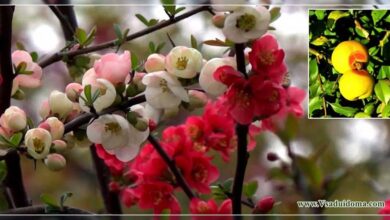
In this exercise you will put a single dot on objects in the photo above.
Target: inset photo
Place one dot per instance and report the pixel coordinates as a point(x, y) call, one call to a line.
point(349, 64)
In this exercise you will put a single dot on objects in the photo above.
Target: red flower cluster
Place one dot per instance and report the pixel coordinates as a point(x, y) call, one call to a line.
point(262, 94)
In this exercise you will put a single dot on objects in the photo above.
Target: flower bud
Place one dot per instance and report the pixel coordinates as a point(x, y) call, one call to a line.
point(138, 81)
point(14, 119)
point(114, 186)
point(142, 124)
point(132, 117)
point(54, 126)
point(132, 90)
point(154, 63)
point(73, 91)
point(38, 142)
point(170, 112)
point(113, 67)
point(218, 20)
point(59, 146)
point(60, 104)
point(55, 162)
point(198, 99)
point(264, 205)
point(44, 110)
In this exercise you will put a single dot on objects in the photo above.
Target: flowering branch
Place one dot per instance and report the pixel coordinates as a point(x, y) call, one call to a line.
point(86, 117)
point(14, 179)
point(171, 164)
point(242, 142)
point(60, 55)
point(41, 209)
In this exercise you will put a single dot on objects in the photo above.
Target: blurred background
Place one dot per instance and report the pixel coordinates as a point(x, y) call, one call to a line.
point(358, 147)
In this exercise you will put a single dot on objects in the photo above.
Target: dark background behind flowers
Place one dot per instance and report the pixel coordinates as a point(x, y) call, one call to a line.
point(358, 147)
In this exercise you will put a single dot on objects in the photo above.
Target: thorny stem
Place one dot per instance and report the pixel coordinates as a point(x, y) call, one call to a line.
point(14, 179)
point(172, 166)
point(242, 144)
point(70, 54)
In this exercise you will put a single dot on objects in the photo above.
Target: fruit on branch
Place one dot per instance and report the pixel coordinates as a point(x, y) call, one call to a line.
point(349, 55)
point(356, 84)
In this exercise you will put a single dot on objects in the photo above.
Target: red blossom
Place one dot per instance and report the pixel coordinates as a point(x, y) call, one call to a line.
point(129, 197)
point(157, 196)
point(198, 171)
point(385, 210)
point(203, 208)
point(264, 205)
point(266, 59)
point(116, 166)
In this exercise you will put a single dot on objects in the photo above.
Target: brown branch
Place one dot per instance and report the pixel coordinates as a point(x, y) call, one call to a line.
point(41, 209)
point(242, 143)
point(110, 199)
point(172, 166)
point(14, 179)
point(70, 54)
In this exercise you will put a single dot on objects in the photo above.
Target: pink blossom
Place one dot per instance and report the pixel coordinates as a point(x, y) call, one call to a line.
point(32, 80)
point(113, 67)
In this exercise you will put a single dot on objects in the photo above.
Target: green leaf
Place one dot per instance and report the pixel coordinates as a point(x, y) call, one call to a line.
point(373, 51)
point(334, 16)
point(160, 47)
point(178, 10)
point(377, 15)
point(315, 104)
point(88, 94)
point(369, 108)
point(142, 19)
point(90, 37)
point(218, 193)
point(333, 181)
point(343, 110)
point(227, 185)
point(194, 42)
point(134, 60)
point(382, 90)
point(152, 47)
point(16, 139)
point(81, 36)
point(361, 31)
point(82, 61)
point(250, 188)
point(319, 41)
point(34, 56)
point(169, 7)
point(275, 13)
point(216, 42)
point(310, 170)
point(313, 70)
point(3, 171)
point(20, 46)
point(384, 72)
point(49, 200)
point(320, 14)
point(118, 32)
point(5, 141)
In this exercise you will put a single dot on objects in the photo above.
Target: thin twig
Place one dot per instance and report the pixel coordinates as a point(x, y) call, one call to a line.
point(172, 166)
point(66, 26)
point(69, 54)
